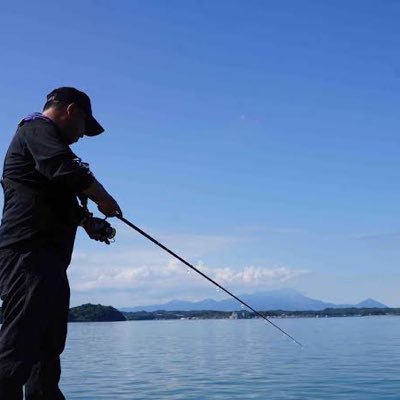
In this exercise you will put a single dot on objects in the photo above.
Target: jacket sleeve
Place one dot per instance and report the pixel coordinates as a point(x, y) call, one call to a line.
point(54, 159)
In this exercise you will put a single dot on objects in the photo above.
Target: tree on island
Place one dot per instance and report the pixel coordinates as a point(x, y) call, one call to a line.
point(94, 313)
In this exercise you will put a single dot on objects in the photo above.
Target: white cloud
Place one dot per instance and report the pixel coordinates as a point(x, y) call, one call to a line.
point(85, 277)
point(272, 230)
point(257, 276)
point(143, 274)
point(377, 236)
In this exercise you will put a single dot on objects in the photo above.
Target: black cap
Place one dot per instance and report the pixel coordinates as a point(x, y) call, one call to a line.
point(71, 95)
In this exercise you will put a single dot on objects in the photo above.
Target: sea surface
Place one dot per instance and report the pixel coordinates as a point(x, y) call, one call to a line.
point(354, 358)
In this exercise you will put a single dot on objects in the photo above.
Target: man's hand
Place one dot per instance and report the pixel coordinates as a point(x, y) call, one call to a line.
point(96, 228)
point(109, 207)
point(105, 202)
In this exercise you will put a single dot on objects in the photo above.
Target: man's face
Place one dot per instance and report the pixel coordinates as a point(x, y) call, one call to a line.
point(75, 123)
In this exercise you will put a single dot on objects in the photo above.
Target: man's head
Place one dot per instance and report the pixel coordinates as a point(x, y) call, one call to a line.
point(71, 110)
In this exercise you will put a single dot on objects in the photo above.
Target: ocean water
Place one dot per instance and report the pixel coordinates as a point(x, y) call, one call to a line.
point(341, 358)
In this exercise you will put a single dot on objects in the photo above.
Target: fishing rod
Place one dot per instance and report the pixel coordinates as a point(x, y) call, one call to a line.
point(205, 276)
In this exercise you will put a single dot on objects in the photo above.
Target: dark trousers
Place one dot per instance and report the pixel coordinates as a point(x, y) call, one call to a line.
point(35, 293)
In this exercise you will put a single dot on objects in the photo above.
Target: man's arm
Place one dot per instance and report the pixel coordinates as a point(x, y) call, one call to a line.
point(55, 160)
point(105, 202)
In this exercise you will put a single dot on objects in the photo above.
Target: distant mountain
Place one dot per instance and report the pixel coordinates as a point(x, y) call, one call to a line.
point(282, 299)
point(370, 303)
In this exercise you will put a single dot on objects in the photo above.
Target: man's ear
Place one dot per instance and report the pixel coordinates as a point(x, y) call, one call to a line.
point(71, 109)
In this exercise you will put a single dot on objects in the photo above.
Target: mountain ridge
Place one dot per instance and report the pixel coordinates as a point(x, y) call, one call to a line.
point(280, 299)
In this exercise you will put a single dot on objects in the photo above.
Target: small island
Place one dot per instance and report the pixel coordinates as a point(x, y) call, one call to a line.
point(94, 313)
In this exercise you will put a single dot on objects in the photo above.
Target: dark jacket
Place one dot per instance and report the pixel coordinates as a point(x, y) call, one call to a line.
point(41, 180)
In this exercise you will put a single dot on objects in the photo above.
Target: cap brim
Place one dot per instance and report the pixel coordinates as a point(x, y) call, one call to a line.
point(93, 128)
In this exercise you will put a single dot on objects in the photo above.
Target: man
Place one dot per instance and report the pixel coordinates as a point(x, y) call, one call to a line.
point(42, 178)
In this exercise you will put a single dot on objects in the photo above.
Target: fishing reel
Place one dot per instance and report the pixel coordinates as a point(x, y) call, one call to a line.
point(103, 228)
point(99, 229)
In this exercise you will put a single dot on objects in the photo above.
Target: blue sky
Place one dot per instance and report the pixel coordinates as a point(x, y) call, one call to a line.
point(258, 139)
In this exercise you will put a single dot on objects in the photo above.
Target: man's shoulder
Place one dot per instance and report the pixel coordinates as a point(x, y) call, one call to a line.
point(34, 123)
point(38, 129)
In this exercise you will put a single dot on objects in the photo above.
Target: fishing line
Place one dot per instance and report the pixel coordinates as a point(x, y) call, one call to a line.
point(205, 276)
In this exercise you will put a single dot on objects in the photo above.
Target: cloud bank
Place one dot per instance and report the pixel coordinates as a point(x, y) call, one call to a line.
point(141, 275)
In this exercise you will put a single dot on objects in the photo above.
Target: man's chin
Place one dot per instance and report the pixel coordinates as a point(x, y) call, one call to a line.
point(74, 140)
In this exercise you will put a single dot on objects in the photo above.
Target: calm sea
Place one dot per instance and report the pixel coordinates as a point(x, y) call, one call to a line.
point(342, 358)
